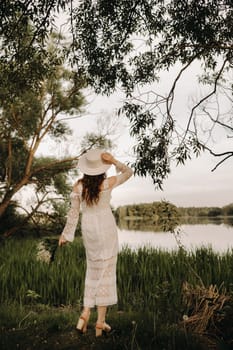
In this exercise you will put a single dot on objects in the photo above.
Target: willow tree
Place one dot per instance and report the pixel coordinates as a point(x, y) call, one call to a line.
point(126, 44)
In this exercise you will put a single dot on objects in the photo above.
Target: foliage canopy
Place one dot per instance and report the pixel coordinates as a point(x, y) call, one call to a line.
point(30, 112)
point(127, 44)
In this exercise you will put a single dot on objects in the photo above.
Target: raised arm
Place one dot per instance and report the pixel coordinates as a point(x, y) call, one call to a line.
point(125, 171)
point(72, 220)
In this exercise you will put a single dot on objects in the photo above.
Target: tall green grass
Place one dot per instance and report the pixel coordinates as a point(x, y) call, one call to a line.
point(26, 280)
point(148, 279)
point(150, 307)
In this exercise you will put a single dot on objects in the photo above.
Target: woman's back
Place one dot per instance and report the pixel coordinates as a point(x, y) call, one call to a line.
point(103, 201)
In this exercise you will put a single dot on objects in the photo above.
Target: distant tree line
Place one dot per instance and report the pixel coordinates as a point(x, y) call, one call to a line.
point(165, 216)
point(155, 210)
point(227, 210)
point(154, 216)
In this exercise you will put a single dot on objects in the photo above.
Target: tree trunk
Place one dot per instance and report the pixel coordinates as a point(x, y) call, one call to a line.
point(3, 206)
point(9, 194)
point(11, 231)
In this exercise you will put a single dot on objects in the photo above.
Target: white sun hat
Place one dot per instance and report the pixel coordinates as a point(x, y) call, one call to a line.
point(91, 163)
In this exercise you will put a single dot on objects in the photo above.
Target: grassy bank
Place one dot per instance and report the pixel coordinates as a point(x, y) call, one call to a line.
point(43, 327)
point(157, 291)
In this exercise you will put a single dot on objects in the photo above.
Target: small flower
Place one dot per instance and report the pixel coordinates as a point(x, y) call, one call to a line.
point(46, 250)
point(43, 255)
point(185, 317)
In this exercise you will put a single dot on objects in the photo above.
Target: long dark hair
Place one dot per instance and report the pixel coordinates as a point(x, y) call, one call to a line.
point(91, 188)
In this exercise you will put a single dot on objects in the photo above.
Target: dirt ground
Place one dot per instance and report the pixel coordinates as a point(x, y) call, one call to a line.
point(59, 340)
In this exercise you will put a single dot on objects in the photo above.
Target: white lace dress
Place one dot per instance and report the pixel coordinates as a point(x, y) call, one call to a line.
point(100, 239)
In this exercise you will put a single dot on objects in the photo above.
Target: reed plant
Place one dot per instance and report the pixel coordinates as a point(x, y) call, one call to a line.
point(25, 279)
point(147, 278)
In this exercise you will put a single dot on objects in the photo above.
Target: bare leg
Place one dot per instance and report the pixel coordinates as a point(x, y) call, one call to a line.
point(101, 314)
point(86, 310)
point(101, 325)
point(83, 319)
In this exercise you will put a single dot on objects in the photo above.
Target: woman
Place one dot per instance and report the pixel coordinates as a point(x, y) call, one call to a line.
point(99, 231)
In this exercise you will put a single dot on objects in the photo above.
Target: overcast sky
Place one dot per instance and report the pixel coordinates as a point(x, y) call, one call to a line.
point(190, 185)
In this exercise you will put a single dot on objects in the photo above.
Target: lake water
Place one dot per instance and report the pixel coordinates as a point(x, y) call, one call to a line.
point(219, 237)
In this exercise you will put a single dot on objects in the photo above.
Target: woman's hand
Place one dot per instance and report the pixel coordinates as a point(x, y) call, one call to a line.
point(108, 158)
point(62, 241)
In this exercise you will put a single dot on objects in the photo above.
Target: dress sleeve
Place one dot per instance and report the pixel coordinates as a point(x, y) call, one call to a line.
point(125, 173)
point(72, 217)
